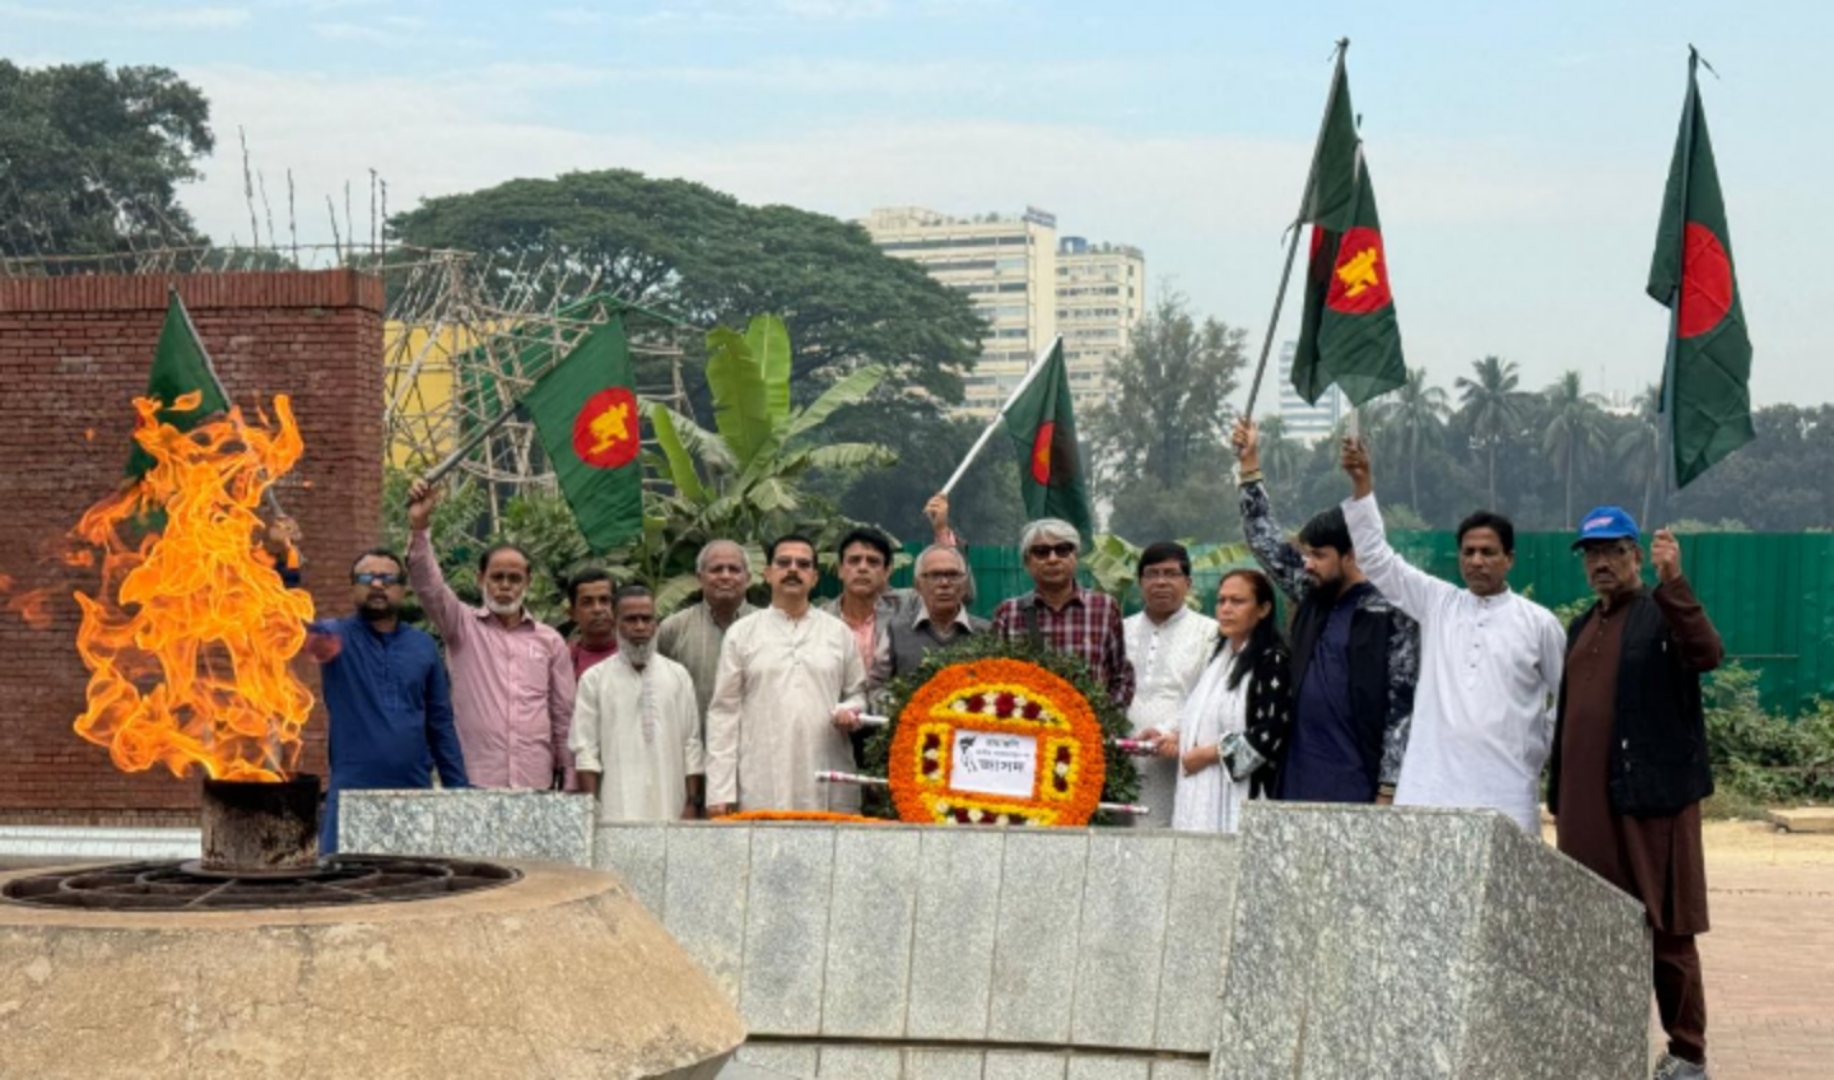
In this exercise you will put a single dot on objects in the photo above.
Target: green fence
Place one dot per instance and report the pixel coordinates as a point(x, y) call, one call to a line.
point(1770, 594)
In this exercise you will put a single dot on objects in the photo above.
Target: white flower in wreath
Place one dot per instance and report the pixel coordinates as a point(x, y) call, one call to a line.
point(1063, 768)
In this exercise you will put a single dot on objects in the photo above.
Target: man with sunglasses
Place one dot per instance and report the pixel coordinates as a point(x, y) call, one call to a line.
point(790, 690)
point(387, 694)
point(1060, 615)
point(1629, 764)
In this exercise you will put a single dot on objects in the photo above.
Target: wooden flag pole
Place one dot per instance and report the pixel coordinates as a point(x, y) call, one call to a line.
point(1298, 227)
point(1000, 417)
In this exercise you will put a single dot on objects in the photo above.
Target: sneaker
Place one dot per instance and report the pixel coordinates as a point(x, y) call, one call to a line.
point(1674, 1068)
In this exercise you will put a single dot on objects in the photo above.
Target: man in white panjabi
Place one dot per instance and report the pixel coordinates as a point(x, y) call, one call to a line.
point(1169, 645)
point(1490, 664)
point(636, 727)
point(790, 690)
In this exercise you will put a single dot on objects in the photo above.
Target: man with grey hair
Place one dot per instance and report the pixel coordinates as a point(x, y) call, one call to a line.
point(692, 636)
point(1061, 615)
point(936, 620)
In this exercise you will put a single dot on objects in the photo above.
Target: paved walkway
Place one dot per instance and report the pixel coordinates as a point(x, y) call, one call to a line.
point(1769, 959)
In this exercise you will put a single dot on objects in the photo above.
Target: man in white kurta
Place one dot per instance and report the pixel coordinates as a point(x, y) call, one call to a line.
point(1490, 664)
point(1169, 645)
point(790, 689)
point(636, 726)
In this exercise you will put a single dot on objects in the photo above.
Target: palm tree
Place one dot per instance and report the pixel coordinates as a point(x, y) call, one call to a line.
point(1640, 453)
point(1575, 430)
point(1414, 414)
point(1493, 408)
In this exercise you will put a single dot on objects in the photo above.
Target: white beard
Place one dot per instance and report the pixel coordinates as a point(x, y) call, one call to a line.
point(634, 654)
point(503, 609)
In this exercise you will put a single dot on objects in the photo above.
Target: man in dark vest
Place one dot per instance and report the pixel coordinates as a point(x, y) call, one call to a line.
point(1629, 763)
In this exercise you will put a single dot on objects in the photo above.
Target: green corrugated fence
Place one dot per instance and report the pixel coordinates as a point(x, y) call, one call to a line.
point(1770, 594)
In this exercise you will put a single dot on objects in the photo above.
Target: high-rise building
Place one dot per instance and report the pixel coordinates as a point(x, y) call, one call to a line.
point(1008, 268)
point(1101, 294)
point(1308, 423)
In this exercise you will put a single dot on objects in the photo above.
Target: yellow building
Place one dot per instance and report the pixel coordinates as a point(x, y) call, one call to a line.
point(1101, 294)
point(1008, 268)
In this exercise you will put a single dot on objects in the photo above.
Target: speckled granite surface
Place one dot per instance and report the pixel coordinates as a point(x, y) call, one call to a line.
point(471, 822)
point(1426, 944)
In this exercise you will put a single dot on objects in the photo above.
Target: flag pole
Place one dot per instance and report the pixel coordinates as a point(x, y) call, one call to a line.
point(210, 366)
point(999, 417)
point(1671, 470)
point(1292, 246)
point(464, 449)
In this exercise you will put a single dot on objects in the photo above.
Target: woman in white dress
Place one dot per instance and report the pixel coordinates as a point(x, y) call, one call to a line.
point(1238, 716)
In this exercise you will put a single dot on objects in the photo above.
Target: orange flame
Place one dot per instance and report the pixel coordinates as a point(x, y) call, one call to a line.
point(33, 607)
point(190, 633)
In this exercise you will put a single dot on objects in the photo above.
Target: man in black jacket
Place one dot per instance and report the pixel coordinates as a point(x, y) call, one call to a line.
point(1629, 763)
point(1355, 656)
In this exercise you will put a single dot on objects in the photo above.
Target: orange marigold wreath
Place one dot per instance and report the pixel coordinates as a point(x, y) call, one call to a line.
point(1000, 696)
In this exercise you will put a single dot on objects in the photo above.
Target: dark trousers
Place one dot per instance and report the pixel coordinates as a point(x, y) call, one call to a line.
point(1681, 996)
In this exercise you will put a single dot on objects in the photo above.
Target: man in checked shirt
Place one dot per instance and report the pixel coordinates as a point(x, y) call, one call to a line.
point(1059, 614)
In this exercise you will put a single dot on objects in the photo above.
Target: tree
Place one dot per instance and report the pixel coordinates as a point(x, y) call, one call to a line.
point(1575, 432)
point(1640, 453)
point(1493, 408)
point(90, 159)
point(703, 257)
point(1281, 454)
point(1166, 414)
point(1415, 415)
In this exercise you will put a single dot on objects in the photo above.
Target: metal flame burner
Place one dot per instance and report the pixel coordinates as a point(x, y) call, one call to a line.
point(174, 886)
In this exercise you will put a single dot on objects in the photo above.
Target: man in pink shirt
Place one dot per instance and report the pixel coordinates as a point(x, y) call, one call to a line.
point(512, 677)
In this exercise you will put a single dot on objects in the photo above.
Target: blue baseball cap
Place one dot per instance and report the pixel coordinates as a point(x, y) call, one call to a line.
point(1607, 523)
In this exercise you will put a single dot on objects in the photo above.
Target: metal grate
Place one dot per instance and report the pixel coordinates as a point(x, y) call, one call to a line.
point(175, 886)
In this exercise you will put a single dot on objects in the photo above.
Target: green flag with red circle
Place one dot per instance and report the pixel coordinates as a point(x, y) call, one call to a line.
point(1349, 334)
point(1043, 432)
point(586, 415)
point(1706, 395)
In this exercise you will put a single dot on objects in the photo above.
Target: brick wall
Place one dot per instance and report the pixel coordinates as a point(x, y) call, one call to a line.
point(73, 353)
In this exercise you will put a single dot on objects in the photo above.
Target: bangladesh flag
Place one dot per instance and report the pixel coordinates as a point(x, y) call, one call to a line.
point(179, 368)
point(586, 414)
point(1349, 334)
point(1705, 385)
point(1044, 434)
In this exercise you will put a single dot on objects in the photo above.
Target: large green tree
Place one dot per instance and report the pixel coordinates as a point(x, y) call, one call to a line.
point(91, 158)
point(705, 258)
point(1493, 408)
point(1166, 414)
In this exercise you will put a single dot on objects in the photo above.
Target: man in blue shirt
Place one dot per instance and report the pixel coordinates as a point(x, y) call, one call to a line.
point(385, 687)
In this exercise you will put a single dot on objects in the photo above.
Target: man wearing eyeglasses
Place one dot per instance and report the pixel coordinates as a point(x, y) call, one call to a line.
point(1171, 645)
point(938, 619)
point(1058, 614)
point(1629, 764)
point(789, 692)
point(386, 692)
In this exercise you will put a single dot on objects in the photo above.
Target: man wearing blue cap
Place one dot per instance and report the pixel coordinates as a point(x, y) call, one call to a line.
point(1629, 764)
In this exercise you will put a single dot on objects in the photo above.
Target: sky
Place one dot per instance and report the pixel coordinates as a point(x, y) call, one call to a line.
point(1518, 152)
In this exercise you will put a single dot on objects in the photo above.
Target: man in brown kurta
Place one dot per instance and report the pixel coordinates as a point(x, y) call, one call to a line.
point(1626, 788)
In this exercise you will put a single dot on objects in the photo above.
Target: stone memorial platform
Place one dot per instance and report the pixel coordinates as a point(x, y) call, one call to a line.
point(1325, 942)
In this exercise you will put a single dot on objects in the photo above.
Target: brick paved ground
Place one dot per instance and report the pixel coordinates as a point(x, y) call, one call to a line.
point(1769, 959)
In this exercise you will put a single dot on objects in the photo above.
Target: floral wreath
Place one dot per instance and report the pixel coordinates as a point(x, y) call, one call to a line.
point(990, 686)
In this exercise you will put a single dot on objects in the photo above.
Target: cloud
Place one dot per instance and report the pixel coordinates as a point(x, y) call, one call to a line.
point(199, 18)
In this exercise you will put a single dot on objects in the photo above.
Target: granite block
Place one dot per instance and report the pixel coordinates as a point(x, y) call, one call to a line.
point(473, 823)
point(1035, 950)
point(793, 1059)
point(638, 854)
point(1179, 1070)
point(1424, 944)
point(860, 1063)
point(873, 912)
point(786, 928)
point(1197, 924)
point(704, 897)
point(1023, 1065)
point(942, 1065)
point(1106, 1067)
point(958, 909)
point(1126, 886)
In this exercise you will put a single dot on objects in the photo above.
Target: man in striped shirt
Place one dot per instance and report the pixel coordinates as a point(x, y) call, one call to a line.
point(1060, 615)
